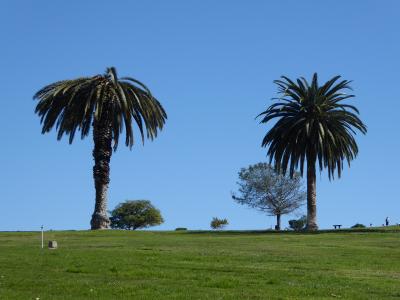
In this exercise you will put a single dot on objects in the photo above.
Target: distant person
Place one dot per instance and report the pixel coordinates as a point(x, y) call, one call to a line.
point(387, 221)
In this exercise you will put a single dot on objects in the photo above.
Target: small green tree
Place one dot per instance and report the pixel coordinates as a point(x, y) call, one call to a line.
point(135, 214)
point(218, 223)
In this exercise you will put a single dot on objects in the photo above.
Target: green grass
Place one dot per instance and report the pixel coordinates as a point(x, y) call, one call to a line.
point(201, 265)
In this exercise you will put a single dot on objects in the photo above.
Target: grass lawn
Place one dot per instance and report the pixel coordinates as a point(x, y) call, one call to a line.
point(201, 265)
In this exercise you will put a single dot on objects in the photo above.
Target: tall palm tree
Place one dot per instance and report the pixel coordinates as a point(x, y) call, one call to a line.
point(313, 125)
point(107, 104)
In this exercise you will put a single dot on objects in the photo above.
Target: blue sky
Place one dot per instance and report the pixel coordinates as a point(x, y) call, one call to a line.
point(211, 64)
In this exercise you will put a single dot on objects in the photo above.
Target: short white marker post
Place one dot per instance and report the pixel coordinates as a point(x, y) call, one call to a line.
point(42, 236)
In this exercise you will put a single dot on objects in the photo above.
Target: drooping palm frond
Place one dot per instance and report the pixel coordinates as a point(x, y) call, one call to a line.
point(313, 124)
point(73, 105)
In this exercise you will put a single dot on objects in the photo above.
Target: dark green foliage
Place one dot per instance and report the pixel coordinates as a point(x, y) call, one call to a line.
point(358, 225)
point(313, 124)
point(73, 105)
point(108, 105)
point(299, 224)
point(180, 229)
point(135, 214)
point(218, 223)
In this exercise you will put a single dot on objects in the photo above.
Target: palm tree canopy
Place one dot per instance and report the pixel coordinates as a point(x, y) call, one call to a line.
point(75, 104)
point(313, 124)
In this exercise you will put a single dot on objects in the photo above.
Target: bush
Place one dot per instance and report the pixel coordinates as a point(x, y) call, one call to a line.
point(180, 228)
point(135, 214)
point(218, 223)
point(358, 225)
point(298, 225)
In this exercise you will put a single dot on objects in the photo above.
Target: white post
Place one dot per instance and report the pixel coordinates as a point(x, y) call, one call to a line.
point(42, 236)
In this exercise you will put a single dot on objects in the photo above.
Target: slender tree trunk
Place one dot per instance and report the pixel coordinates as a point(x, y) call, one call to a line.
point(311, 196)
point(278, 222)
point(102, 137)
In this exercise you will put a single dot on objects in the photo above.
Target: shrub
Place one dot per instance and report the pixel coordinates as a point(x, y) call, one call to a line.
point(218, 223)
point(298, 225)
point(358, 225)
point(135, 214)
point(180, 228)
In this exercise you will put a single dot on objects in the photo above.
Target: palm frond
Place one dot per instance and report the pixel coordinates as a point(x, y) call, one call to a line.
point(312, 125)
point(74, 105)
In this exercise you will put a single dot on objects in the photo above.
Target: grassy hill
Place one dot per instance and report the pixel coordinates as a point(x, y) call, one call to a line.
point(201, 265)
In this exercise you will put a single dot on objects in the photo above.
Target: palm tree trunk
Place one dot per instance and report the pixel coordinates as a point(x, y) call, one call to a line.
point(102, 137)
point(278, 222)
point(311, 196)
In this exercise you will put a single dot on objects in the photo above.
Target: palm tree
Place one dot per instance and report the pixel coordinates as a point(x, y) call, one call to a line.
point(313, 125)
point(107, 104)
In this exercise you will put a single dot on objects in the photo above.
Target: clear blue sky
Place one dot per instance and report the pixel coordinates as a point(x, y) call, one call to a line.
point(211, 64)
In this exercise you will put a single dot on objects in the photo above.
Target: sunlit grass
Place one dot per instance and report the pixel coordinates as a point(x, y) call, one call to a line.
point(201, 265)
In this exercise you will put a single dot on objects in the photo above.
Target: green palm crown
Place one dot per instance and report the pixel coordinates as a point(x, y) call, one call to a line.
point(313, 124)
point(76, 104)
